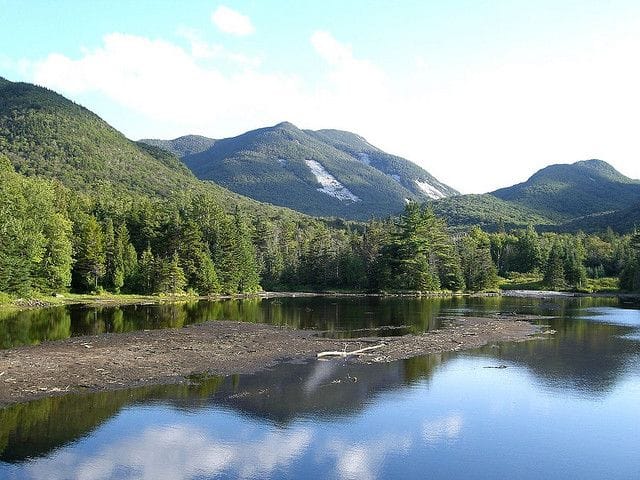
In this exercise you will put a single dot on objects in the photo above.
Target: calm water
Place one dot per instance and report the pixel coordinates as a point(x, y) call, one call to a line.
point(564, 407)
point(331, 316)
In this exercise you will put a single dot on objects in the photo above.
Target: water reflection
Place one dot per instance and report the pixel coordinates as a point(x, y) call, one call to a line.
point(331, 316)
point(564, 404)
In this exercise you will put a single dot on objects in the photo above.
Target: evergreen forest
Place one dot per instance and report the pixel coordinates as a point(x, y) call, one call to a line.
point(53, 239)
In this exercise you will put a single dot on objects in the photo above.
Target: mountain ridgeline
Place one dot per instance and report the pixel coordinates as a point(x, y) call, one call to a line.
point(587, 195)
point(564, 192)
point(47, 135)
point(182, 146)
point(323, 173)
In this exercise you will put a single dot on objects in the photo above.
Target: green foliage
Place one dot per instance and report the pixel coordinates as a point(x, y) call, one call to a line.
point(168, 275)
point(35, 244)
point(589, 195)
point(131, 218)
point(564, 267)
point(479, 271)
point(45, 134)
point(269, 165)
point(90, 254)
point(420, 254)
point(554, 275)
point(181, 146)
point(630, 275)
point(487, 212)
point(563, 192)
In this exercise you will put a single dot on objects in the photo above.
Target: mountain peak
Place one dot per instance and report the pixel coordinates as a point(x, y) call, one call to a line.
point(326, 173)
point(182, 146)
point(286, 126)
point(563, 191)
point(601, 167)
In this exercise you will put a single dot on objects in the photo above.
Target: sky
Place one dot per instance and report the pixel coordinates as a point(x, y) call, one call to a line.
point(480, 93)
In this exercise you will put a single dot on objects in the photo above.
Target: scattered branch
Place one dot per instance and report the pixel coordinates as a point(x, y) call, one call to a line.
point(346, 354)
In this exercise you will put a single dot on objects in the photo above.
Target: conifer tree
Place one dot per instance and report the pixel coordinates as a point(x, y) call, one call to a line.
point(554, 275)
point(90, 254)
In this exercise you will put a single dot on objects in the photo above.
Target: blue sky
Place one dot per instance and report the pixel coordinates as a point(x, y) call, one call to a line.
point(480, 93)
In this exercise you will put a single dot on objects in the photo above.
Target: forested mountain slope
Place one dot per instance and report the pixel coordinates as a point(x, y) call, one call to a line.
point(589, 195)
point(564, 192)
point(182, 146)
point(324, 173)
point(47, 135)
point(44, 134)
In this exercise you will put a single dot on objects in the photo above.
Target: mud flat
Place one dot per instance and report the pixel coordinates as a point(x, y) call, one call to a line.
point(123, 360)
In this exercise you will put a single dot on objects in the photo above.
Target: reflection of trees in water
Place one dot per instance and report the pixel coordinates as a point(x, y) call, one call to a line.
point(341, 316)
point(582, 355)
point(280, 395)
point(35, 428)
point(27, 327)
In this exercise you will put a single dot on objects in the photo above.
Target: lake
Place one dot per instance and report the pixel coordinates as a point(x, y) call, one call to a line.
point(563, 407)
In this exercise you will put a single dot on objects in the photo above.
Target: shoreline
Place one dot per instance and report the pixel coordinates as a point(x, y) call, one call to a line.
point(156, 357)
point(113, 300)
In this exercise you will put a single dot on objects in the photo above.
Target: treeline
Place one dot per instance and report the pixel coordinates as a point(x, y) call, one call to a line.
point(53, 239)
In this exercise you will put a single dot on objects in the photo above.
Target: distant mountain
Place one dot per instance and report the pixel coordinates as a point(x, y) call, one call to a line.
point(486, 211)
point(182, 146)
point(324, 173)
point(411, 176)
point(589, 194)
point(564, 192)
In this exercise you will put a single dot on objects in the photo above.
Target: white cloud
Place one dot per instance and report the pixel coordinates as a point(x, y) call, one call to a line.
point(171, 87)
point(202, 50)
point(497, 123)
point(178, 452)
point(364, 460)
point(330, 49)
point(440, 429)
point(231, 21)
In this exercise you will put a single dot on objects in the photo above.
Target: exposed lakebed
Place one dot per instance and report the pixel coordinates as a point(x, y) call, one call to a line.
point(565, 406)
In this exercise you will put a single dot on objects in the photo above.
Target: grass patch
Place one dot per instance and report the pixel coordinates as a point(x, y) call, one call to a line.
point(604, 285)
point(521, 281)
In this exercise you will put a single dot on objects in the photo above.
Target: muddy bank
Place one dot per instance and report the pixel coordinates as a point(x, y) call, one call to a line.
point(115, 361)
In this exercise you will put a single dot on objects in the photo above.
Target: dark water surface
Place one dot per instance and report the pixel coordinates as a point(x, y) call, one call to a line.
point(332, 316)
point(564, 407)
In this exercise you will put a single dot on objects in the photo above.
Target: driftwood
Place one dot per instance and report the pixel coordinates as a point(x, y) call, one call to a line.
point(346, 354)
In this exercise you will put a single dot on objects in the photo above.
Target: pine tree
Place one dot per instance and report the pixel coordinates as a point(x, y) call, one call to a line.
point(169, 276)
point(114, 258)
point(479, 271)
point(554, 275)
point(195, 260)
point(630, 275)
point(146, 272)
point(248, 278)
point(528, 253)
point(90, 255)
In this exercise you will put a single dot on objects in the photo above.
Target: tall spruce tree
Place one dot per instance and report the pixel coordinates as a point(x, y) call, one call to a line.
point(90, 254)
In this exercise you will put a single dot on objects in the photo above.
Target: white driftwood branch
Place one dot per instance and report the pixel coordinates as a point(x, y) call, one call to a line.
point(346, 354)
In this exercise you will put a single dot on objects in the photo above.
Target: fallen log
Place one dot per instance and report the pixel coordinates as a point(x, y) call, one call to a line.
point(346, 354)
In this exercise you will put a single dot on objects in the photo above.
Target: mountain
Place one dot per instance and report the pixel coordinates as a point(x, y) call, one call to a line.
point(323, 173)
point(486, 211)
point(626, 220)
point(45, 134)
point(182, 146)
point(590, 195)
point(411, 176)
point(564, 192)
